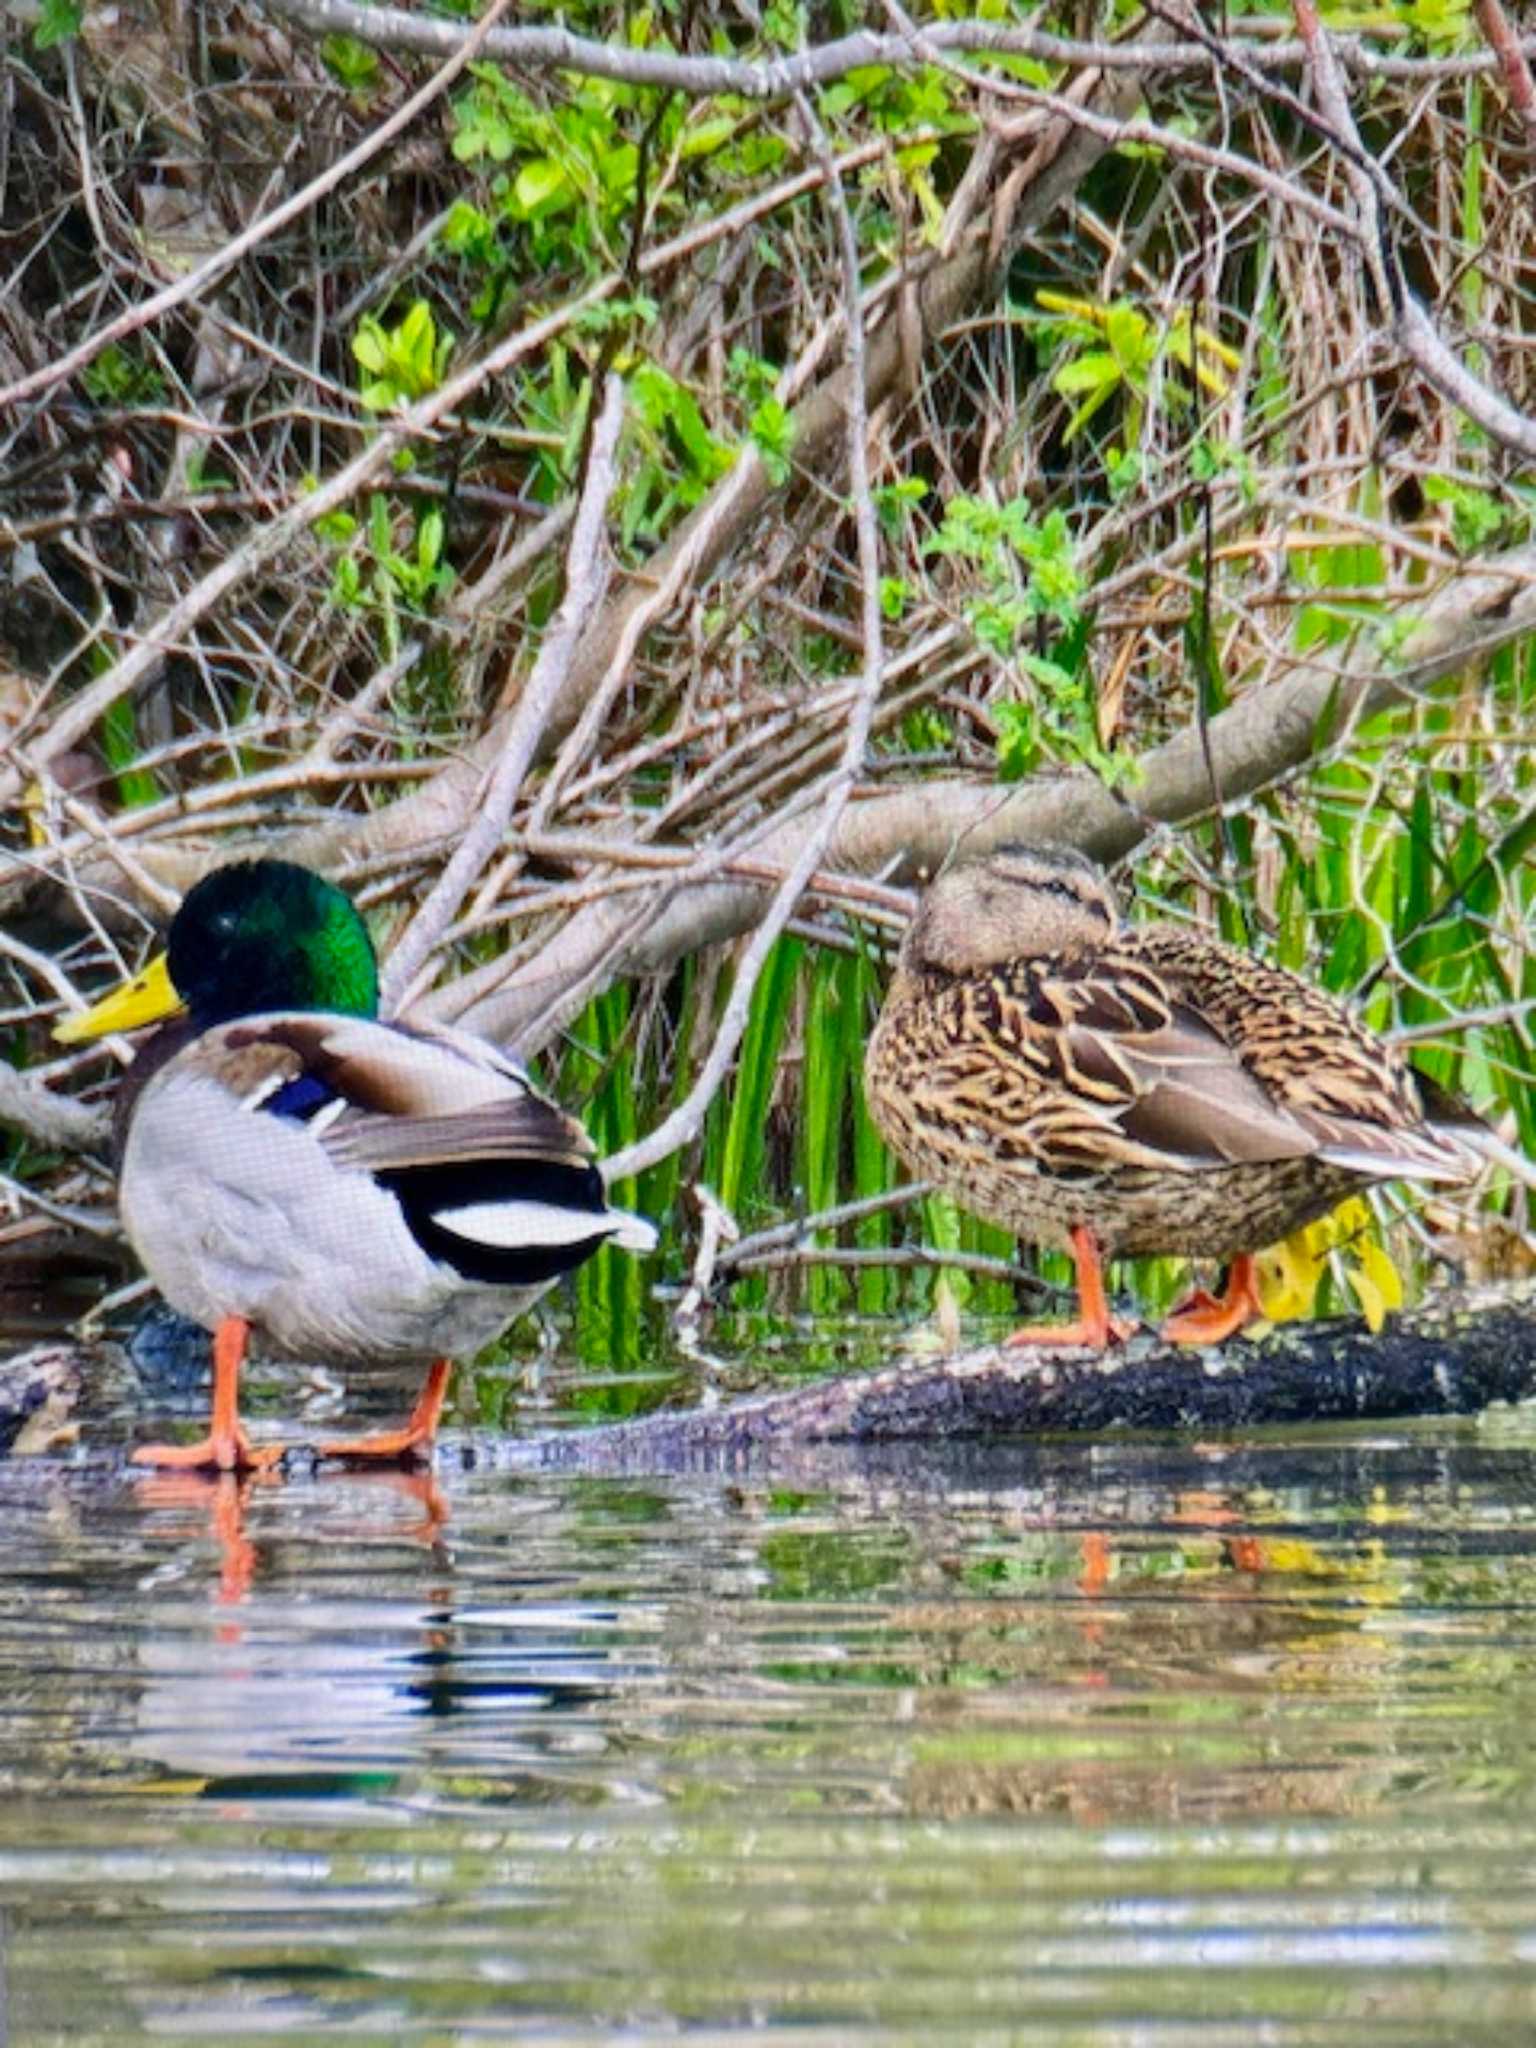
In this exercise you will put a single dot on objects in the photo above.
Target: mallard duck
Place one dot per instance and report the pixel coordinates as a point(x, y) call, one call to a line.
point(1112, 1091)
point(347, 1188)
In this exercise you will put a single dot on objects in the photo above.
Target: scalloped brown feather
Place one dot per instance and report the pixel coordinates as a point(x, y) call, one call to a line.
point(1052, 1069)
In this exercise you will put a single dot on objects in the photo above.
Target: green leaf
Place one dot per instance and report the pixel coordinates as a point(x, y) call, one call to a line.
point(1018, 739)
point(539, 183)
point(708, 136)
point(429, 539)
point(335, 527)
point(1097, 368)
point(772, 427)
point(369, 347)
point(468, 232)
point(351, 63)
point(58, 21)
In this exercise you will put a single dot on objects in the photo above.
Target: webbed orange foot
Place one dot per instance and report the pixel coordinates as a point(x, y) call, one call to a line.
point(409, 1446)
point(1088, 1332)
point(226, 1447)
point(1094, 1326)
point(1203, 1318)
point(230, 1451)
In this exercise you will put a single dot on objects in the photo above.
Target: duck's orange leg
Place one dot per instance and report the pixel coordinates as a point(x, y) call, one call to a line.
point(226, 1447)
point(1207, 1318)
point(1095, 1326)
point(411, 1445)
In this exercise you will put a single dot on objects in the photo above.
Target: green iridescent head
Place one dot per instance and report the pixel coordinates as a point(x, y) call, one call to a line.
point(268, 935)
point(259, 935)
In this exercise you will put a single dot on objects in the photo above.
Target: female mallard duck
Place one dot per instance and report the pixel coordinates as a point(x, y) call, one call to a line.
point(1119, 1092)
point(348, 1188)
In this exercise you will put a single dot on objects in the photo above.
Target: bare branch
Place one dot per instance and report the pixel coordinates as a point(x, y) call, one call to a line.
point(1513, 62)
point(586, 578)
point(774, 78)
point(52, 1119)
point(683, 1124)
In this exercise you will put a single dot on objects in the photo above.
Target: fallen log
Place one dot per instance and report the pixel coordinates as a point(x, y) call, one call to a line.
point(1455, 1355)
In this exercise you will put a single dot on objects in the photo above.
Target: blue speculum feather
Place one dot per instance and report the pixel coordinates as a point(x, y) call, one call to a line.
point(300, 1099)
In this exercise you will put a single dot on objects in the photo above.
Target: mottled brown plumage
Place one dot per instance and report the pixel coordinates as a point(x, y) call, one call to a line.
point(1116, 1091)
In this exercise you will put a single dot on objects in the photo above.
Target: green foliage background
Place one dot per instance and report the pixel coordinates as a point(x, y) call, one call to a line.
point(1173, 454)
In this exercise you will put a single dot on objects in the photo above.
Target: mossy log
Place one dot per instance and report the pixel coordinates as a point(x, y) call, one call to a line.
point(1455, 1355)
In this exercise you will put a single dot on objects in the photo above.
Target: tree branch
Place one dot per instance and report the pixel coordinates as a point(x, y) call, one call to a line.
point(52, 1119)
point(1453, 1356)
point(777, 78)
point(1264, 736)
point(586, 578)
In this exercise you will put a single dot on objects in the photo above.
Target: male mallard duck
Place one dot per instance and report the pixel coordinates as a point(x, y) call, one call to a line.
point(1119, 1092)
point(348, 1188)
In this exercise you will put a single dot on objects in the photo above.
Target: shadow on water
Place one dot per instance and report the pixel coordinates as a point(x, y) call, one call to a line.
point(1111, 1743)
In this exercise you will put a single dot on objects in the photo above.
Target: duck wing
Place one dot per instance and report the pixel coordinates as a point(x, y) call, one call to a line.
point(491, 1176)
point(1364, 1104)
point(1135, 1078)
point(402, 1096)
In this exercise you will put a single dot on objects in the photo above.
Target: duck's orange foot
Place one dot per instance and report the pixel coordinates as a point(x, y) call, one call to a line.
point(226, 1447)
point(1090, 1333)
point(1094, 1326)
point(409, 1446)
point(219, 1451)
point(392, 1446)
point(1203, 1318)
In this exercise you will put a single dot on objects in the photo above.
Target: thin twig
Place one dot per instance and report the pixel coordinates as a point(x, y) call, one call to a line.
point(685, 1122)
point(1512, 60)
point(457, 55)
point(798, 1227)
point(587, 567)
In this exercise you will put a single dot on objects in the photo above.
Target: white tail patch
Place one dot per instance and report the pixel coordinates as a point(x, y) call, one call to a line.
point(521, 1226)
point(634, 1233)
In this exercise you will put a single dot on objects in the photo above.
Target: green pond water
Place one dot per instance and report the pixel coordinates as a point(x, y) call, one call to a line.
point(1131, 1744)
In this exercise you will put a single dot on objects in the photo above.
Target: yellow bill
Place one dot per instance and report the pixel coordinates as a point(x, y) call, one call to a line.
point(144, 1000)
